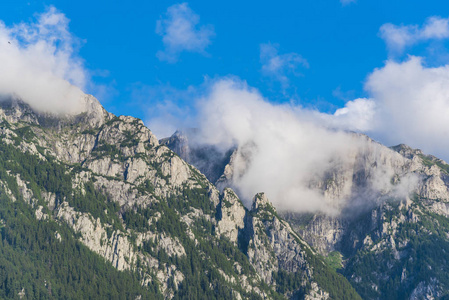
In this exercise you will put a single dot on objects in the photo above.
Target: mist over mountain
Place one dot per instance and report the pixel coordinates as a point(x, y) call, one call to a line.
point(385, 210)
point(274, 149)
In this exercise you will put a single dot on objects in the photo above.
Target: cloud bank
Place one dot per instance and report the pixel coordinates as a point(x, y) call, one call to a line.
point(180, 32)
point(40, 65)
point(284, 151)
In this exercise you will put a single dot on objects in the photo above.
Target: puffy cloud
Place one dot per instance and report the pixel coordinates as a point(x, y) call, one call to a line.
point(180, 32)
point(398, 38)
point(356, 115)
point(278, 66)
point(285, 151)
point(39, 64)
point(409, 103)
point(280, 152)
point(412, 105)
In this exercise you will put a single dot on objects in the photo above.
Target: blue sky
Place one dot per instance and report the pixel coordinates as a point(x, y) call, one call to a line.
point(315, 54)
point(340, 43)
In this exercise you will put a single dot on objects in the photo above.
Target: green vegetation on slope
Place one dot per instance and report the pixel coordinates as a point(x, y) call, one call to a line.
point(203, 258)
point(33, 258)
point(421, 256)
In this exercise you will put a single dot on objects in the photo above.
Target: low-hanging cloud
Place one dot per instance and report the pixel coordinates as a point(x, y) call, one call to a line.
point(283, 148)
point(296, 155)
point(39, 64)
point(284, 152)
point(180, 32)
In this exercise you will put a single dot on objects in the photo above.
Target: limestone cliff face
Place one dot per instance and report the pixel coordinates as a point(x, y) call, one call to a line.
point(385, 232)
point(231, 219)
point(430, 181)
point(144, 209)
point(271, 244)
point(123, 160)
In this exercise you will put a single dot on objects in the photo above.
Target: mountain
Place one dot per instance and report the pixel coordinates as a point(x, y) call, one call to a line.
point(387, 231)
point(93, 206)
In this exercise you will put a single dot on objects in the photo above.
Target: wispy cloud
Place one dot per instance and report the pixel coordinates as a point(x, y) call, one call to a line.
point(180, 32)
point(398, 38)
point(280, 66)
point(170, 108)
point(40, 63)
point(347, 2)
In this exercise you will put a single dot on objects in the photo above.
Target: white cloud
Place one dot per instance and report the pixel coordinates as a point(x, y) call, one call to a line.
point(435, 28)
point(280, 152)
point(356, 115)
point(39, 64)
point(412, 105)
point(400, 37)
point(279, 66)
point(409, 103)
point(283, 147)
point(287, 150)
point(284, 151)
point(180, 32)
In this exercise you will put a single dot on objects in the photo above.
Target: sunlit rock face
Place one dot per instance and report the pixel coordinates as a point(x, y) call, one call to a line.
point(145, 210)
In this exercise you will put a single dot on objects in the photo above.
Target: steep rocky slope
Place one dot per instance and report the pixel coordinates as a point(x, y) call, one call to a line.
point(397, 249)
point(104, 183)
point(387, 232)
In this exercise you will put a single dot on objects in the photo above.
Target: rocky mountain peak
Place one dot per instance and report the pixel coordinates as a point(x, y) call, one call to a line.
point(14, 110)
point(261, 203)
point(92, 114)
point(263, 209)
point(178, 143)
point(95, 113)
point(406, 151)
